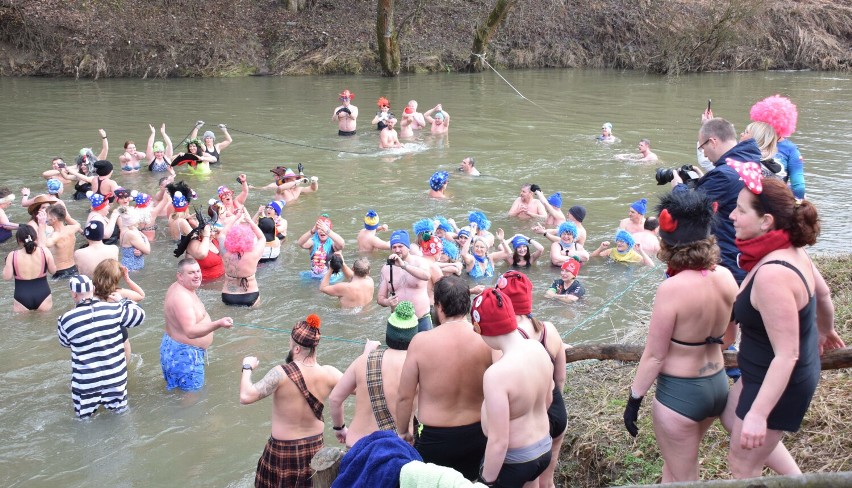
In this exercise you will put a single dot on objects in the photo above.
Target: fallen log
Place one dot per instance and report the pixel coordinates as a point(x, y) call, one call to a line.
point(833, 359)
point(843, 478)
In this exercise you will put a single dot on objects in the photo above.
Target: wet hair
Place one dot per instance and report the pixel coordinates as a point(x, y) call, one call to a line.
point(361, 267)
point(57, 211)
point(471, 161)
point(701, 254)
point(127, 143)
point(646, 141)
point(5, 192)
point(765, 137)
point(651, 223)
point(720, 129)
point(240, 239)
point(27, 236)
point(800, 220)
point(335, 263)
point(453, 294)
point(106, 277)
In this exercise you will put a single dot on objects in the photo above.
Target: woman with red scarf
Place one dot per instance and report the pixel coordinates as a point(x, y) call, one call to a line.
point(786, 318)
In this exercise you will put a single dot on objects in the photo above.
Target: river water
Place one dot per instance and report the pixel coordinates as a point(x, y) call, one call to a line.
point(545, 137)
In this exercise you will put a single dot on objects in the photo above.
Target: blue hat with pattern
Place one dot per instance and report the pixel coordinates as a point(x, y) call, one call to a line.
point(54, 186)
point(438, 180)
point(179, 202)
point(98, 200)
point(139, 198)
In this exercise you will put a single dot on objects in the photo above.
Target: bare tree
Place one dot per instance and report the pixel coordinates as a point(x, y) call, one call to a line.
point(485, 32)
point(388, 37)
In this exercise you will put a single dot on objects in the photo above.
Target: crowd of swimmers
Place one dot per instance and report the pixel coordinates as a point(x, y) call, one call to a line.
point(456, 377)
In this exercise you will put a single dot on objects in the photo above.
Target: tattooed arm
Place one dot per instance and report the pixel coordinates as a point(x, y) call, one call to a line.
point(250, 393)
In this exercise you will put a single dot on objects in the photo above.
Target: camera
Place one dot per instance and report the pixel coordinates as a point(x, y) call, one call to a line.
point(534, 188)
point(686, 173)
point(60, 165)
point(391, 261)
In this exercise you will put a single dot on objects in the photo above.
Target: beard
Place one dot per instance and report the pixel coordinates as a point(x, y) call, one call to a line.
point(289, 358)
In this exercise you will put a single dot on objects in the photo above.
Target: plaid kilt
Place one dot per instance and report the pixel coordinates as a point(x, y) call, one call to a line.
point(287, 463)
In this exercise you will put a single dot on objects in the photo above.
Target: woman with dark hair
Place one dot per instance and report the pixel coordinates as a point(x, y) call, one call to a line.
point(518, 255)
point(683, 353)
point(29, 269)
point(786, 319)
point(199, 242)
point(106, 278)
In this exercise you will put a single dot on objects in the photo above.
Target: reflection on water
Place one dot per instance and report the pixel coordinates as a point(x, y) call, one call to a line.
point(212, 440)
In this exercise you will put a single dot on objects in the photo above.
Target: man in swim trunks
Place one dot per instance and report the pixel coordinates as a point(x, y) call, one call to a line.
point(189, 330)
point(61, 241)
point(93, 332)
point(358, 291)
point(518, 389)
point(525, 207)
point(374, 380)
point(467, 167)
point(368, 241)
point(645, 154)
point(406, 279)
point(447, 363)
point(345, 114)
point(299, 387)
point(88, 258)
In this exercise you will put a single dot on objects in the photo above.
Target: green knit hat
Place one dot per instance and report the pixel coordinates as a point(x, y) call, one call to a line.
point(402, 325)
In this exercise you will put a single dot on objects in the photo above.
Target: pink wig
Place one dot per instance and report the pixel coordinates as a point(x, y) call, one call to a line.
point(777, 111)
point(240, 239)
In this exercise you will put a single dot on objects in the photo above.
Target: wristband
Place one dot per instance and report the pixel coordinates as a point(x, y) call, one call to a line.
point(104, 137)
point(247, 367)
point(480, 479)
point(338, 429)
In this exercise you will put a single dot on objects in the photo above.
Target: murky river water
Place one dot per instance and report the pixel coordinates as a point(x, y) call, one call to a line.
point(548, 138)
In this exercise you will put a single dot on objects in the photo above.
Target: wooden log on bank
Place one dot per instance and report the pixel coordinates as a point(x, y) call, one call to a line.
point(833, 359)
point(326, 466)
point(809, 480)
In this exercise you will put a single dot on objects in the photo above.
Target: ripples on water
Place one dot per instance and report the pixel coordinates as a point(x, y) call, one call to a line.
point(167, 439)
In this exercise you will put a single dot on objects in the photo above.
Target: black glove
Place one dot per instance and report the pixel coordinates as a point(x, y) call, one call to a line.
point(631, 414)
point(534, 188)
point(300, 168)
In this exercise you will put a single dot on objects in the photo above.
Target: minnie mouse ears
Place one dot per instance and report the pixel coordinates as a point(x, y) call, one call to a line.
point(750, 173)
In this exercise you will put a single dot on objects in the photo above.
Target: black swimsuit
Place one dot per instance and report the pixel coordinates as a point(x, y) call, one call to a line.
point(756, 354)
point(31, 293)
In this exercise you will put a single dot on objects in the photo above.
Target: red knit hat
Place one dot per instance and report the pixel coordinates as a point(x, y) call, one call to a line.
point(492, 314)
point(572, 266)
point(518, 288)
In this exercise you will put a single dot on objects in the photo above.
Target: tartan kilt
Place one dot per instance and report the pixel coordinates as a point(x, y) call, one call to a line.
point(287, 463)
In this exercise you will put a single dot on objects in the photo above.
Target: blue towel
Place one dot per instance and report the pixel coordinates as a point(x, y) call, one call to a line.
point(375, 460)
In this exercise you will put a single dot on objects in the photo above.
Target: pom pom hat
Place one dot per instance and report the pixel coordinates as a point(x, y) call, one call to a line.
point(307, 332)
point(555, 200)
point(179, 202)
point(492, 314)
point(640, 206)
point(401, 327)
point(94, 231)
point(685, 217)
point(98, 201)
point(777, 111)
point(371, 220)
point(518, 288)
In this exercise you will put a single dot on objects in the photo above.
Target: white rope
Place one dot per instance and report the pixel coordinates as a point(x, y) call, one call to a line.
point(482, 58)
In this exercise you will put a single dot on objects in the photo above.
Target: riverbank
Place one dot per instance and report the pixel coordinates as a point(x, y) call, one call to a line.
point(213, 38)
point(599, 452)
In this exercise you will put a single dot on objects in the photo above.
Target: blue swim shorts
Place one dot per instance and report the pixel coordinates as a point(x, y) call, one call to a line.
point(183, 365)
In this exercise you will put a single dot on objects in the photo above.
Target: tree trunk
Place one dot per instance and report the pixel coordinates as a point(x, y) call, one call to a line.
point(484, 33)
point(833, 359)
point(389, 56)
point(295, 5)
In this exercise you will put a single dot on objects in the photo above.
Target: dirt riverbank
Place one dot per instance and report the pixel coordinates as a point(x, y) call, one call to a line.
point(184, 38)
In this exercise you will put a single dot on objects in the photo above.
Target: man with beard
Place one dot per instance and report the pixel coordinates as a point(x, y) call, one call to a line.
point(299, 387)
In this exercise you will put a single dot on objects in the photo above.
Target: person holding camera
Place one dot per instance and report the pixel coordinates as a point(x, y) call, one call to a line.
point(358, 290)
point(288, 185)
point(525, 207)
point(345, 114)
point(406, 277)
point(717, 138)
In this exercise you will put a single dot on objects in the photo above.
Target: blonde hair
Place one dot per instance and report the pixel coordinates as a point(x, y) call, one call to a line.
point(766, 138)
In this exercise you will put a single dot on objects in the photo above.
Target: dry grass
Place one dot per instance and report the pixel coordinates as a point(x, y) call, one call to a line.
point(599, 452)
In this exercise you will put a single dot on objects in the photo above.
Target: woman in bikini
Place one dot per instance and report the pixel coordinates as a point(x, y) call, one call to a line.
point(28, 266)
point(210, 146)
point(683, 353)
point(244, 244)
point(133, 245)
point(131, 159)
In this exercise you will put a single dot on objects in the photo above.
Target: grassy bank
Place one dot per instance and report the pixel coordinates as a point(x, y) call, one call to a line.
point(598, 451)
point(119, 38)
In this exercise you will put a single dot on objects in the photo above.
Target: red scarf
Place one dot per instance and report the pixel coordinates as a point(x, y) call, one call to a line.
point(753, 250)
